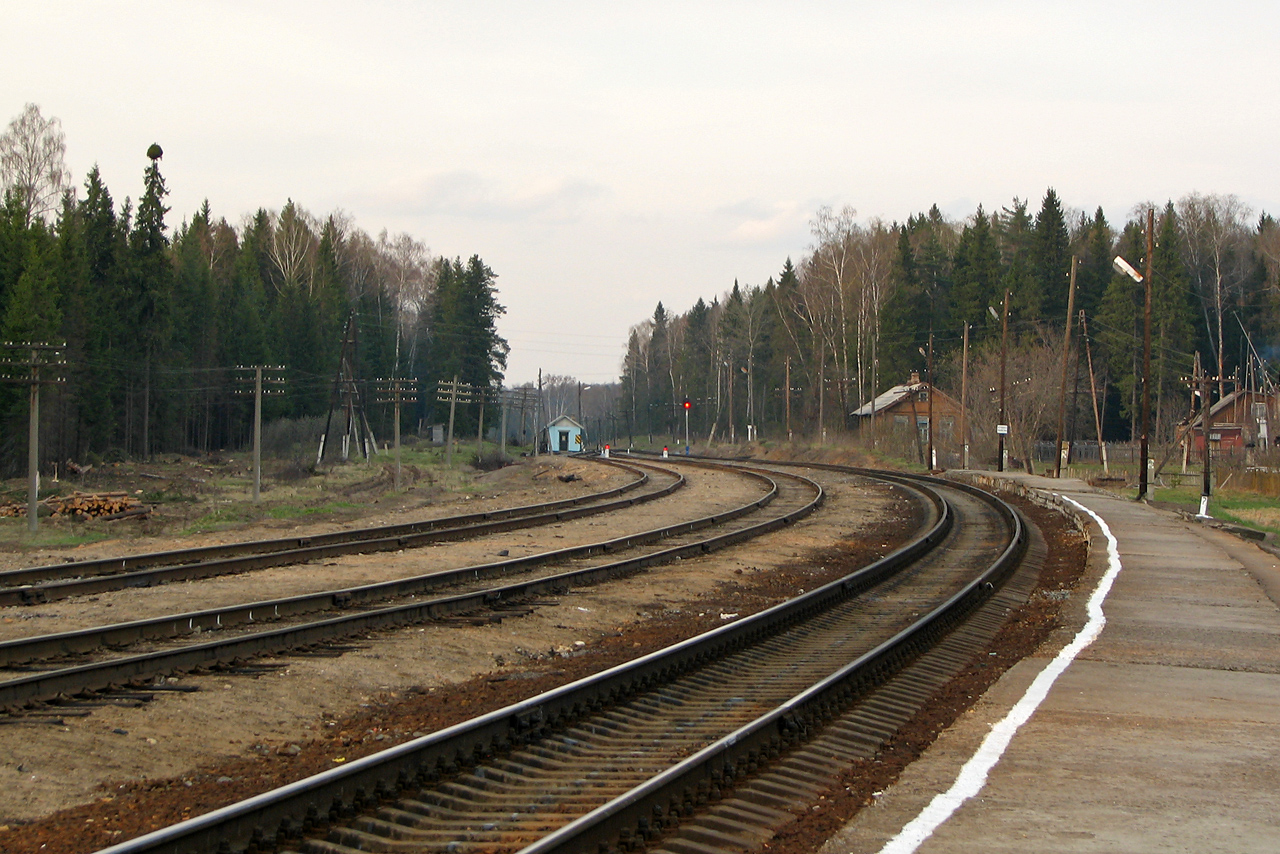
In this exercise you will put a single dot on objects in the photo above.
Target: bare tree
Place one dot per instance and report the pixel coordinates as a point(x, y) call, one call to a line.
point(1030, 401)
point(828, 269)
point(407, 274)
point(1214, 237)
point(874, 252)
point(32, 162)
point(293, 248)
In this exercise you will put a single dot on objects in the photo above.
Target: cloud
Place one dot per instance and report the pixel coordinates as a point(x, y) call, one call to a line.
point(754, 222)
point(470, 195)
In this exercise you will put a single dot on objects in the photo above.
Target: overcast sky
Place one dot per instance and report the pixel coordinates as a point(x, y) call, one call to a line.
point(602, 157)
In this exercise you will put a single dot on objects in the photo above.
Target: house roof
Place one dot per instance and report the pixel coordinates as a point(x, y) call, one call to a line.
point(564, 419)
point(888, 398)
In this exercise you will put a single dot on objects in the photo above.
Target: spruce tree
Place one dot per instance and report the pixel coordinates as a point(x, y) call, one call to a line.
point(1052, 259)
point(152, 291)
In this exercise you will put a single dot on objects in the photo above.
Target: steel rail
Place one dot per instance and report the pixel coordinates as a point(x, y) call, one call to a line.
point(642, 813)
point(302, 807)
point(20, 651)
point(36, 585)
point(104, 675)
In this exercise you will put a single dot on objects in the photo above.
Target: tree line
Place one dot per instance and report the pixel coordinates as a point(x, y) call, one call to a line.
point(155, 319)
point(868, 301)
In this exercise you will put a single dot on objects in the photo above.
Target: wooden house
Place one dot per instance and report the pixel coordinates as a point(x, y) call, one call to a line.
point(906, 404)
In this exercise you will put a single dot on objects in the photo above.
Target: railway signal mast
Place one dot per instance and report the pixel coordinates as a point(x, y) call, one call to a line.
point(688, 404)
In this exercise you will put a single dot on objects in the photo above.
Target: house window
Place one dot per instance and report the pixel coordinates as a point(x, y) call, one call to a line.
point(899, 421)
point(923, 395)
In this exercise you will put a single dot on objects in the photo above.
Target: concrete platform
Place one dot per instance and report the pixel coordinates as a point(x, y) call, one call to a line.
point(1162, 735)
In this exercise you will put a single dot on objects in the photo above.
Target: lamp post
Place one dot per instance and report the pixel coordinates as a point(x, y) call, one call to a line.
point(581, 426)
point(1125, 267)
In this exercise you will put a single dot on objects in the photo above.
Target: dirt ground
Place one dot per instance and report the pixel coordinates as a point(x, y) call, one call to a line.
point(119, 770)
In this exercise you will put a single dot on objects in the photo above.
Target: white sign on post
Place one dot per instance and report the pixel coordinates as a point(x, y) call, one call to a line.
point(1002, 429)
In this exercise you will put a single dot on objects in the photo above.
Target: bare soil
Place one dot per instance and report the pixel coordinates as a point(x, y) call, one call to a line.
point(121, 770)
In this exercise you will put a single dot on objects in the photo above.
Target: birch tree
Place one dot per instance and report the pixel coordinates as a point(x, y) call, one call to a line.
point(32, 163)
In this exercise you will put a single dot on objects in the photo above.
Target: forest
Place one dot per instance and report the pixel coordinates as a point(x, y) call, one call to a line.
point(871, 302)
point(144, 334)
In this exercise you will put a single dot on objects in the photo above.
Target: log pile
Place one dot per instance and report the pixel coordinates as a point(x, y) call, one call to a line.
point(84, 505)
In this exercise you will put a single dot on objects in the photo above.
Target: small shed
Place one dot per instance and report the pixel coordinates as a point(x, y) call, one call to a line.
point(564, 436)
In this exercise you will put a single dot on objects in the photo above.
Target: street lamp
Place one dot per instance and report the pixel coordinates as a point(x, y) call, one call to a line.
point(1125, 267)
point(581, 389)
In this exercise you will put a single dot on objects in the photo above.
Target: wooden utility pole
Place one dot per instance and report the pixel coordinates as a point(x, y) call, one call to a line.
point(964, 399)
point(1206, 487)
point(1003, 428)
point(1093, 394)
point(1146, 359)
point(451, 390)
point(1066, 350)
point(394, 391)
point(786, 394)
point(44, 356)
point(257, 413)
point(346, 397)
point(931, 462)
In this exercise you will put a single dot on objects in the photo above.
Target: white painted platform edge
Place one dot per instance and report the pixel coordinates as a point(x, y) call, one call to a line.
point(973, 776)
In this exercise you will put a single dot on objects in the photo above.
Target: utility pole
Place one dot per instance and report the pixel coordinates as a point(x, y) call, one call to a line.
point(1066, 350)
point(44, 355)
point(451, 392)
point(257, 413)
point(932, 461)
point(394, 391)
point(346, 396)
point(787, 397)
point(1146, 359)
point(1206, 484)
point(1002, 428)
point(964, 399)
point(1093, 394)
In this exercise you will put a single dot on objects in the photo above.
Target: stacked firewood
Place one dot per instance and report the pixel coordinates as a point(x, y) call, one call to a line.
point(85, 505)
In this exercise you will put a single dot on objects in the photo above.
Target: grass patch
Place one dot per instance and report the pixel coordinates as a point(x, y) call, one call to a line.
point(49, 535)
point(293, 511)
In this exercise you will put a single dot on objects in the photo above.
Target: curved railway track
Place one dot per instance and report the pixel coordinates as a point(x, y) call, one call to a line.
point(276, 626)
point(39, 584)
point(664, 749)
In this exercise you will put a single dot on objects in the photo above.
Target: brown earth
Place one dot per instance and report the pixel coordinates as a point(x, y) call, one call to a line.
point(120, 770)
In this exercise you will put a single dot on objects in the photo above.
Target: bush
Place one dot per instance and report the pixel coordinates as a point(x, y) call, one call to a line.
point(294, 439)
point(490, 461)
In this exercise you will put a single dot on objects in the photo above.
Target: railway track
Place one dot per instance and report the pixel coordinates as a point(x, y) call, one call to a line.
point(676, 748)
point(40, 584)
point(278, 626)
